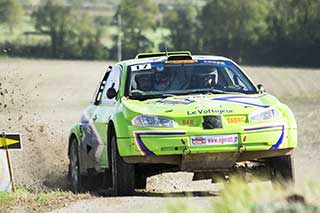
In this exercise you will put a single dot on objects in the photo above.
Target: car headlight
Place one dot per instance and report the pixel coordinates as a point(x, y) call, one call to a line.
point(149, 120)
point(265, 115)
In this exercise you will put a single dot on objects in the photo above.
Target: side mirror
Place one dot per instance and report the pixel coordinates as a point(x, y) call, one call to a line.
point(111, 92)
point(261, 88)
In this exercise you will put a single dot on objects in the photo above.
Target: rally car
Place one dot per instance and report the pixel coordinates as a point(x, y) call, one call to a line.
point(173, 111)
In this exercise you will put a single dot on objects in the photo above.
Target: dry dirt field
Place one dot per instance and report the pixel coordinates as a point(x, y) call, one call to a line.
point(41, 99)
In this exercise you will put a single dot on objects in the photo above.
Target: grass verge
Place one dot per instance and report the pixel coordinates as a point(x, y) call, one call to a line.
point(239, 196)
point(29, 201)
point(262, 196)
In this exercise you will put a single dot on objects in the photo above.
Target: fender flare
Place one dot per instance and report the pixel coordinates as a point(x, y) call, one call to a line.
point(74, 133)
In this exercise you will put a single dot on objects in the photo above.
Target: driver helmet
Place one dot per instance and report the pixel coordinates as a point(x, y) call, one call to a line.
point(143, 82)
point(162, 79)
point(208, 79)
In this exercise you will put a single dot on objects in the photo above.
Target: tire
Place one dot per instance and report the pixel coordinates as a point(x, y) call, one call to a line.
point(123, 174)
point(140, 181)
point(74, 168)
point(282, 170)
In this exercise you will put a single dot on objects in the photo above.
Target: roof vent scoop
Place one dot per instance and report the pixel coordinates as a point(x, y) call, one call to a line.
point(179, 57)
point(159, 54)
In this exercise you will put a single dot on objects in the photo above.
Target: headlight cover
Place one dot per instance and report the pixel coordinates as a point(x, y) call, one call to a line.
point(152, 121)
point(266, 115)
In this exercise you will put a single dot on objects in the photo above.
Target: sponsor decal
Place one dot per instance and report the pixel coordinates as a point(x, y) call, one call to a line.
point(209, 111)
point(174, 101)
point(203, 105)
point(187, 122)
point(214, 140)
point(198, 141)
point(140, 67)
point(214, 62)
point(159, 67)
point(198, 97)
point(181, 62)
point(235, 120)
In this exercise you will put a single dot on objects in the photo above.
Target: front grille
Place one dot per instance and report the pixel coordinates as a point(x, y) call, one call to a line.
point(212, 122)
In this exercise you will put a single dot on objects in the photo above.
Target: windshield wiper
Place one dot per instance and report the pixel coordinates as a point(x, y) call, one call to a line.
point(141, 95)
point(137, 92)
point(212, 91)
point(209, 90)
point(167, 95)
point(216, 91)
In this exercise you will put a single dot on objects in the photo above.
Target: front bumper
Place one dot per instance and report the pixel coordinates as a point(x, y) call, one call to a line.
point(150, 142)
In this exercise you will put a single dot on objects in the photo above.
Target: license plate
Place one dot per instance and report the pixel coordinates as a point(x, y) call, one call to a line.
point(214, 140)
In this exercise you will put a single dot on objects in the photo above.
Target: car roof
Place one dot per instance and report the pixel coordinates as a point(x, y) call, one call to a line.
point(163, 58)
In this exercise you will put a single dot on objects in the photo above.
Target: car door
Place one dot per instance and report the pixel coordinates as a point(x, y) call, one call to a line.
point(101, 116)
point(90, 145)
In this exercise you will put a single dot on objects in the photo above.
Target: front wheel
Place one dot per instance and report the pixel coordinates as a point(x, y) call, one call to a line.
point(123, 174)
point(282, 169)
point(74, 167)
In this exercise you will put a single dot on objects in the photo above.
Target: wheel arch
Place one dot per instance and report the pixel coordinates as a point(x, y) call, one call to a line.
point(117, 126)
point(110, 132)
point(74, 134)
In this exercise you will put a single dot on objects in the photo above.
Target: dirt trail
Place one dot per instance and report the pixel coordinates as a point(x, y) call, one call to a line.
point(138, 204)
point(42, 99)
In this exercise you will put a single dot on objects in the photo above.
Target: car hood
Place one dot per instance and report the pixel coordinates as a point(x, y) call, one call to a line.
point(200, 105)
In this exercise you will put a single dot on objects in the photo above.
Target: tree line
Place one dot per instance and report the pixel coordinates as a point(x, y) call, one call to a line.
point(269, 32)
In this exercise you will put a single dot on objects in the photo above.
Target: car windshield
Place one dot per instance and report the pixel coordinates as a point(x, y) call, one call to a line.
point(162, 79)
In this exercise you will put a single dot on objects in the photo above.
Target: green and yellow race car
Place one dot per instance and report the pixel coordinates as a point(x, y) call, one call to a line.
point(173, 111)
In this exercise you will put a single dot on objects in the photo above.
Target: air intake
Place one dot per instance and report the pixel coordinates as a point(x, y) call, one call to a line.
point(212, 122)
